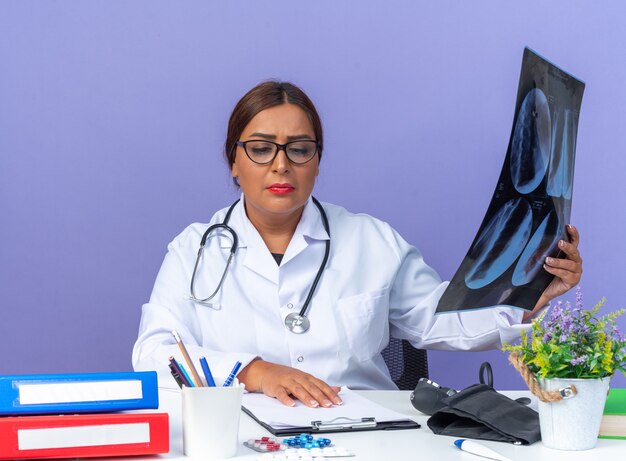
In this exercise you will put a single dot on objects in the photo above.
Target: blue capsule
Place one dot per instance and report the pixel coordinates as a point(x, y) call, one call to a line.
point(306, 441)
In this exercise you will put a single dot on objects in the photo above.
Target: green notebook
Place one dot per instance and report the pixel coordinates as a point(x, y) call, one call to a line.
point(613, 425)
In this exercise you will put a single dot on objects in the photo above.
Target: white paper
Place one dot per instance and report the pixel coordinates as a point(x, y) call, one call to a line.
point(86, 391)
point(83, 436)
point(355, 407)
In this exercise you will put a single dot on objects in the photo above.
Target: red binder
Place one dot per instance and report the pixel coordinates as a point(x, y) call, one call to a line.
point(87, 435)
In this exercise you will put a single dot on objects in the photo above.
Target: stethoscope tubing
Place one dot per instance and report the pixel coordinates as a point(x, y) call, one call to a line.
point(309, 297)
point(224, 225)
point(301, 323)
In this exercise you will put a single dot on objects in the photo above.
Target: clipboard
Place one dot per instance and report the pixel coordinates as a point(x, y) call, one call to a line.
point(335, 425)
point(261, 408)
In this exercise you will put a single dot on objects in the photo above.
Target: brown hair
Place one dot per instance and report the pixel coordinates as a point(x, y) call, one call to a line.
point(263, 96)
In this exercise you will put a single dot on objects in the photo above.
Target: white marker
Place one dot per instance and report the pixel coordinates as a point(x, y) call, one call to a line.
point(480, 450)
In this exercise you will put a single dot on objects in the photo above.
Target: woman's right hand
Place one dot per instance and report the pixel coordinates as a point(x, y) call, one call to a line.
point(286, 383)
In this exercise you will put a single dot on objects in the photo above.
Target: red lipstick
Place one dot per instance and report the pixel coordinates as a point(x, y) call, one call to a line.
point(281, 188)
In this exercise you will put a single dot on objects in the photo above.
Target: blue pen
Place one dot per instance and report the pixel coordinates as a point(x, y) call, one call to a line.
point(480, 450)
point(232, 374)
point(207, 372)
point(182, 368)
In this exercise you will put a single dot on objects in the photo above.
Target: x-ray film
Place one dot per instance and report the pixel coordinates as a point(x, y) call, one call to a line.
point(533, 198)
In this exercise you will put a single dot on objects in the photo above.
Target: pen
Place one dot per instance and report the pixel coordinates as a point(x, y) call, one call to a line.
point(183, 350)
point(479, 449)
point(184, 378)
point(232, 374)
point(175, 375)
point(186, 375)
point(207, 372)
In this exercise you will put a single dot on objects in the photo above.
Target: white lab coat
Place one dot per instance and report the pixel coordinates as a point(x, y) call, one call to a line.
point(375, 285)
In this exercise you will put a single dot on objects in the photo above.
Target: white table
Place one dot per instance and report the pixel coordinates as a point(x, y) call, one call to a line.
point(411, 444)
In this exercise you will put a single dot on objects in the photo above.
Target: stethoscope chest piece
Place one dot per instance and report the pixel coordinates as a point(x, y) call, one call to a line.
point(297, 323)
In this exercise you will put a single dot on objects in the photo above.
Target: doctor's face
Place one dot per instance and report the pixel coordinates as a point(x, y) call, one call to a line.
point(281, 187)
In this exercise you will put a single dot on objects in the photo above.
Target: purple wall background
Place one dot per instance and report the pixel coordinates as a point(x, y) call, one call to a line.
point(112, 117)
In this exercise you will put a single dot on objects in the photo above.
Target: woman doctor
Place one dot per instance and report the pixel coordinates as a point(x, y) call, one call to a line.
point(371, 285)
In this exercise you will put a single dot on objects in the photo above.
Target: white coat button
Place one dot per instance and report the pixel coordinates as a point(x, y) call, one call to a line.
point(290, 306)
point(300, 359)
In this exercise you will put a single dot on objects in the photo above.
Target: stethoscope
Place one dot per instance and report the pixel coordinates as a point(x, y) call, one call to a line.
point(295, 322)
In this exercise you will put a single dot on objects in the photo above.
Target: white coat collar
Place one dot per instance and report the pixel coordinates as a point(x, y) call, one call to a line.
point(258, 257)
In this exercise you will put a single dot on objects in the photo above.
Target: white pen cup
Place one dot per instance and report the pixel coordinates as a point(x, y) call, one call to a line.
point(211, 420)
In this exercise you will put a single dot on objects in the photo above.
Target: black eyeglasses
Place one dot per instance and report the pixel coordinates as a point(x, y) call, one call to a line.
point(264, 152)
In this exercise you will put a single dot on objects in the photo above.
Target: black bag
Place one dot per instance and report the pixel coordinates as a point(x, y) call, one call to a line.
point(480, 412)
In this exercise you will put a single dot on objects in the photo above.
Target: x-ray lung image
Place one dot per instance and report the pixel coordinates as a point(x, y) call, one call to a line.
point(533, 197)
point(564, 127)
point(542, 244)
point(500, 243)
point(530, 147)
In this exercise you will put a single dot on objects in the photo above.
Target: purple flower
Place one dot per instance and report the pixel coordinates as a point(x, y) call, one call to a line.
point(566, 324)
point(582, 329)
point(579, 298)
point(578, 360)
point(556, 312)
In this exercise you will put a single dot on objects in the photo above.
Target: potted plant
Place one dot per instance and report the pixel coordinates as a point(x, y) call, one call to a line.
point(567, 361)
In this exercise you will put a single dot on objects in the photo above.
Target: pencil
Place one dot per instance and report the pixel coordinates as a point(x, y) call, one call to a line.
point(183, 350)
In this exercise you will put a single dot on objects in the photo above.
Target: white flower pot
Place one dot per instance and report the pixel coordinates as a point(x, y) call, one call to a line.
point(573, 423)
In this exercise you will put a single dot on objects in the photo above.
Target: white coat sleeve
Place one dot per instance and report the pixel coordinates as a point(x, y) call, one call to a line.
point(414, 295)
point(170, 309)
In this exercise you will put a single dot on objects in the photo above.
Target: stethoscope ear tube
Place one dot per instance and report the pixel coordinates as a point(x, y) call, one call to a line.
point(233, 248)
point(205, 301)
point(228, 229)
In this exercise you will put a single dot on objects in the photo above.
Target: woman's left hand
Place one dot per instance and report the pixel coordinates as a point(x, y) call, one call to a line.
point(567, 270)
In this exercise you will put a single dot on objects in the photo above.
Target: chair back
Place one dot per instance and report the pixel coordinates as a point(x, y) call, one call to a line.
point(406, 364)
